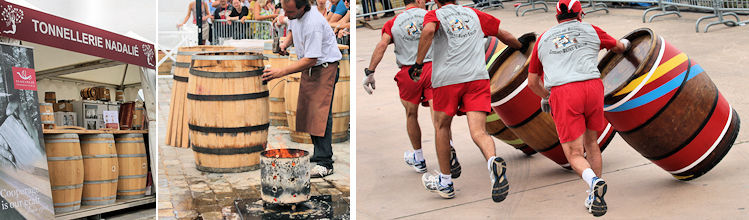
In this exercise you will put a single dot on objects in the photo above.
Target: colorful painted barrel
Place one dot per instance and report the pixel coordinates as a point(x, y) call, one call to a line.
point(520, 109)
point(101, 169)
point(496, 128)
point(666, 107)
point(131, 156)
point(65, 170)
point(228, 105)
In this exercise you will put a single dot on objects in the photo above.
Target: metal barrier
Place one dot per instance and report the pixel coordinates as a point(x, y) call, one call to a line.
point(248, 29)
point(595, 7)
point(428, 5)
point(533, 4)
point(720, 9)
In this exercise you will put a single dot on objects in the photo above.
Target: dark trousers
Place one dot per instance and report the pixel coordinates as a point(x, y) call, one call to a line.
point(323, 154)
point(368, 6)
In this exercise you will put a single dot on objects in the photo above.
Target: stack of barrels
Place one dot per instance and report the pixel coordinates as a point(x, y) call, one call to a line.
point(177, 130)
point(95, 169)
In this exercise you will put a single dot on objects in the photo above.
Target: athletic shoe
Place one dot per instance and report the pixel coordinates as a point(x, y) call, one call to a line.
point(320, 171)
point(597, 206)
point(410, 158)
point(455, 168)
point(431, 183)
point(500, 185)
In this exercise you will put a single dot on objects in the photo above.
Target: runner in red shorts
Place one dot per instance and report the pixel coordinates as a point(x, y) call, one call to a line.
point(461, 86)
point(566, 57)
point(404, 31)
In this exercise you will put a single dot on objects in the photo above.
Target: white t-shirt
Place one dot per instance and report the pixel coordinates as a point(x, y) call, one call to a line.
point(313, 38)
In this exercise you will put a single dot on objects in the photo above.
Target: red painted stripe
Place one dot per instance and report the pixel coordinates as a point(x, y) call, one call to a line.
point(630, 119)
point(556, 154)
point(704, 140)
point(491, 49)
point(609, 135)
point(663, 79)
point(519, 108)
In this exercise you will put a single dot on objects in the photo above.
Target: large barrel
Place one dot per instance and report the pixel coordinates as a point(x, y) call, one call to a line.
point(65, 170)
point(495, 127)
point(277, 86)
point(228, 102)
point(520, 109)
point(344, 66)
point(131, 156)
point(341, 109)
point(666, 107)
point(47, 114)
point(292, 97)
point(101, 169)
point(176, 133)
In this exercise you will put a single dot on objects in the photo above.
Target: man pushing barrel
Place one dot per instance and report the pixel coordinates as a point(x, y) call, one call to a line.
point(461, 85)
point(316, 46)
point(404, 31)
point(566, 57)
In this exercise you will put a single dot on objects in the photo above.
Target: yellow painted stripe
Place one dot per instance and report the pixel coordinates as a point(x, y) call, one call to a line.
point(492, 117)
point(659, 71)
point(682, 177)
point(515, 142)
point(496, 54)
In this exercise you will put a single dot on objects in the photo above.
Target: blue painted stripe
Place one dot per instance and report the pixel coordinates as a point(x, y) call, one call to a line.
point(660, 91)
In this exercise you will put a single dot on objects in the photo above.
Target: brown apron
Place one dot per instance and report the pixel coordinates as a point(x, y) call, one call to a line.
point(315, 97)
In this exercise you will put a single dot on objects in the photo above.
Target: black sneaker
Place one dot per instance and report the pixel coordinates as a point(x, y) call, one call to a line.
point(454, 164)
point(500, 185)
point(598, 206)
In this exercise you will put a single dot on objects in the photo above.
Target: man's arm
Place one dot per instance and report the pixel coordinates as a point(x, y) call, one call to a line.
point(187, 17)
point(508, 39)
point(379, 51)
point(620, 47)
point(425, 42)
point(537, 86)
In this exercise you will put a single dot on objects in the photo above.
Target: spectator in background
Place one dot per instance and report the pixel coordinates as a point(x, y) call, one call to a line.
point(343, 23)
point(337, 11)
point(263, 10)
point(387, 6)
point(322, 7)
point(239, 12)
point(223, 9)
point(369, 7)
point(191, 8)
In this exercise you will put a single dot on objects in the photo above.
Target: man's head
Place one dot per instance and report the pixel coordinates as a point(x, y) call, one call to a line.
point(569, 9)
point(295, 8)
point(417, 3)
point(440, 3)
point(237, 4)
point(223, 3)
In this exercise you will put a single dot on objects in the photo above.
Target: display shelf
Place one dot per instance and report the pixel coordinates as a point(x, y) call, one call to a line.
point(86, 211)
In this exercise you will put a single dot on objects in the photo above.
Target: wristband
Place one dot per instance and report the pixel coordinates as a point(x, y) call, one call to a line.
point(368, 72)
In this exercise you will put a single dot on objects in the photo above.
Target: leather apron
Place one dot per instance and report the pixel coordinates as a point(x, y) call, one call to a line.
point(315, 98)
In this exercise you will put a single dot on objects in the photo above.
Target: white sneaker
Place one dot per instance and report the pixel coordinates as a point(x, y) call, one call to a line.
point(431, 182)
point(320, 171)
point(410, 158)
point(597, 206)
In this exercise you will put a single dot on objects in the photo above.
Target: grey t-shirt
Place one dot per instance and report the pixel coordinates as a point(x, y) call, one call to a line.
point(313, 38)
point(458, 45)
point(405, 30)
point(568, 52)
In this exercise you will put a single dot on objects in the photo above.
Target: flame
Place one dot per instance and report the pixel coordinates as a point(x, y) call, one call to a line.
point(283, 153)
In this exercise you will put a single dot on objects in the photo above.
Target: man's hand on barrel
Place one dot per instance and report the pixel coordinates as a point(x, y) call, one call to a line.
point(526, 40)
point(369, 82)
point(545, 105)
point(626, 43)
point(415, 71)
point(272, 73)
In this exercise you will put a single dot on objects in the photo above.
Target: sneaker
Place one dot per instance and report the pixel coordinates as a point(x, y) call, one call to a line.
point(500, 185)
point(320, 171)
point(431, 183)
point(455, 168)
point(595, 203)
point(410, 158)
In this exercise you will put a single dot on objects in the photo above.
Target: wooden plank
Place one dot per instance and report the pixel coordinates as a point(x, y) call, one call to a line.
point(65, 131)
point(86, 211)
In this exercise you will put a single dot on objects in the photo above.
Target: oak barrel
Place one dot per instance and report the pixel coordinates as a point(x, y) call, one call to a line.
point(131, 156)
point(277, 86)
point(50, 97)
point(66, 171)
point(47, 115)
point(101, 169)
point(229, 108)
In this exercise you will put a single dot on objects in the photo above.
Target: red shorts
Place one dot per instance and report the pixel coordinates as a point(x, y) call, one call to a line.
point(577, 106)
point(415, 92)
point(463, 97)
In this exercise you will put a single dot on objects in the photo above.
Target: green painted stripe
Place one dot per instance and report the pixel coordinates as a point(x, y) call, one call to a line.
point(494, 57)
point(515, 142)
point(492, 117)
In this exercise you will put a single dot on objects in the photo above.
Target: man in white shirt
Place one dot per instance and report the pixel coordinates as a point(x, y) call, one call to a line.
point(316, 47)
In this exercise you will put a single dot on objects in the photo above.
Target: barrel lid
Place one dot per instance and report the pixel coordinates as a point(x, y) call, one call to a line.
point(138, 135)
point(224, 55)
point(88, 136)
point(203, 48)
point(618, 70)
point(508, 72)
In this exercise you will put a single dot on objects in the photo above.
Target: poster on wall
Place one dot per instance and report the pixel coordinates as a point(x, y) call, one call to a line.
point(24, 178)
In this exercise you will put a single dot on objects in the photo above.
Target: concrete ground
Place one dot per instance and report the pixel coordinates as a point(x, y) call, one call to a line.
point(638, 189)
point(186, 193)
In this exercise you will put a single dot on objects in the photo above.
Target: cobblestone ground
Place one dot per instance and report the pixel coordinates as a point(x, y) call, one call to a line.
point(186, 193)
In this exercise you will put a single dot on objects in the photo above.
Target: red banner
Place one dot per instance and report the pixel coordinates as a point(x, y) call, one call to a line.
point(26, 24)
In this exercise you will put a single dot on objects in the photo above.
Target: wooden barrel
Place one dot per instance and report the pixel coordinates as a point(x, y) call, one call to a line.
point(119, 95)
point(89, 93)
point(50, 97)
point(176, 133)
point(65, 164)
point(139, 117)
point(292, 98)
point(341, 109)
point(228, 102)
point(101, 169)
point(666, 107)
point(277, 86)
point(344, 66)
point(47, 115)
point(166, 67)
point(496, 128)
point(131, 156)
point(520, 109)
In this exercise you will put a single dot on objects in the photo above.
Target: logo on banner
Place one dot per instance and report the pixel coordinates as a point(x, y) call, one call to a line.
point(148, 51)
point(12, 16)
point(24, 78)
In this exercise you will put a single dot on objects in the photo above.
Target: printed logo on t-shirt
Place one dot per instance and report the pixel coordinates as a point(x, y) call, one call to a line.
point(566, 41)
point(412, 28)
point(459, 24)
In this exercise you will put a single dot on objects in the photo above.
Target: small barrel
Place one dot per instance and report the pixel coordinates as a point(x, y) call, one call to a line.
point(119, 95)
point(66, 171)
point(292, 98)
point(89, 93)
point(520, 109)
point(495, 127)
point(341, 109)
point(228, 102)
point(50, 97)
point(139, 118)
point(102, 169)
point(666, 107)
point(131, 156)
point(47, 114)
